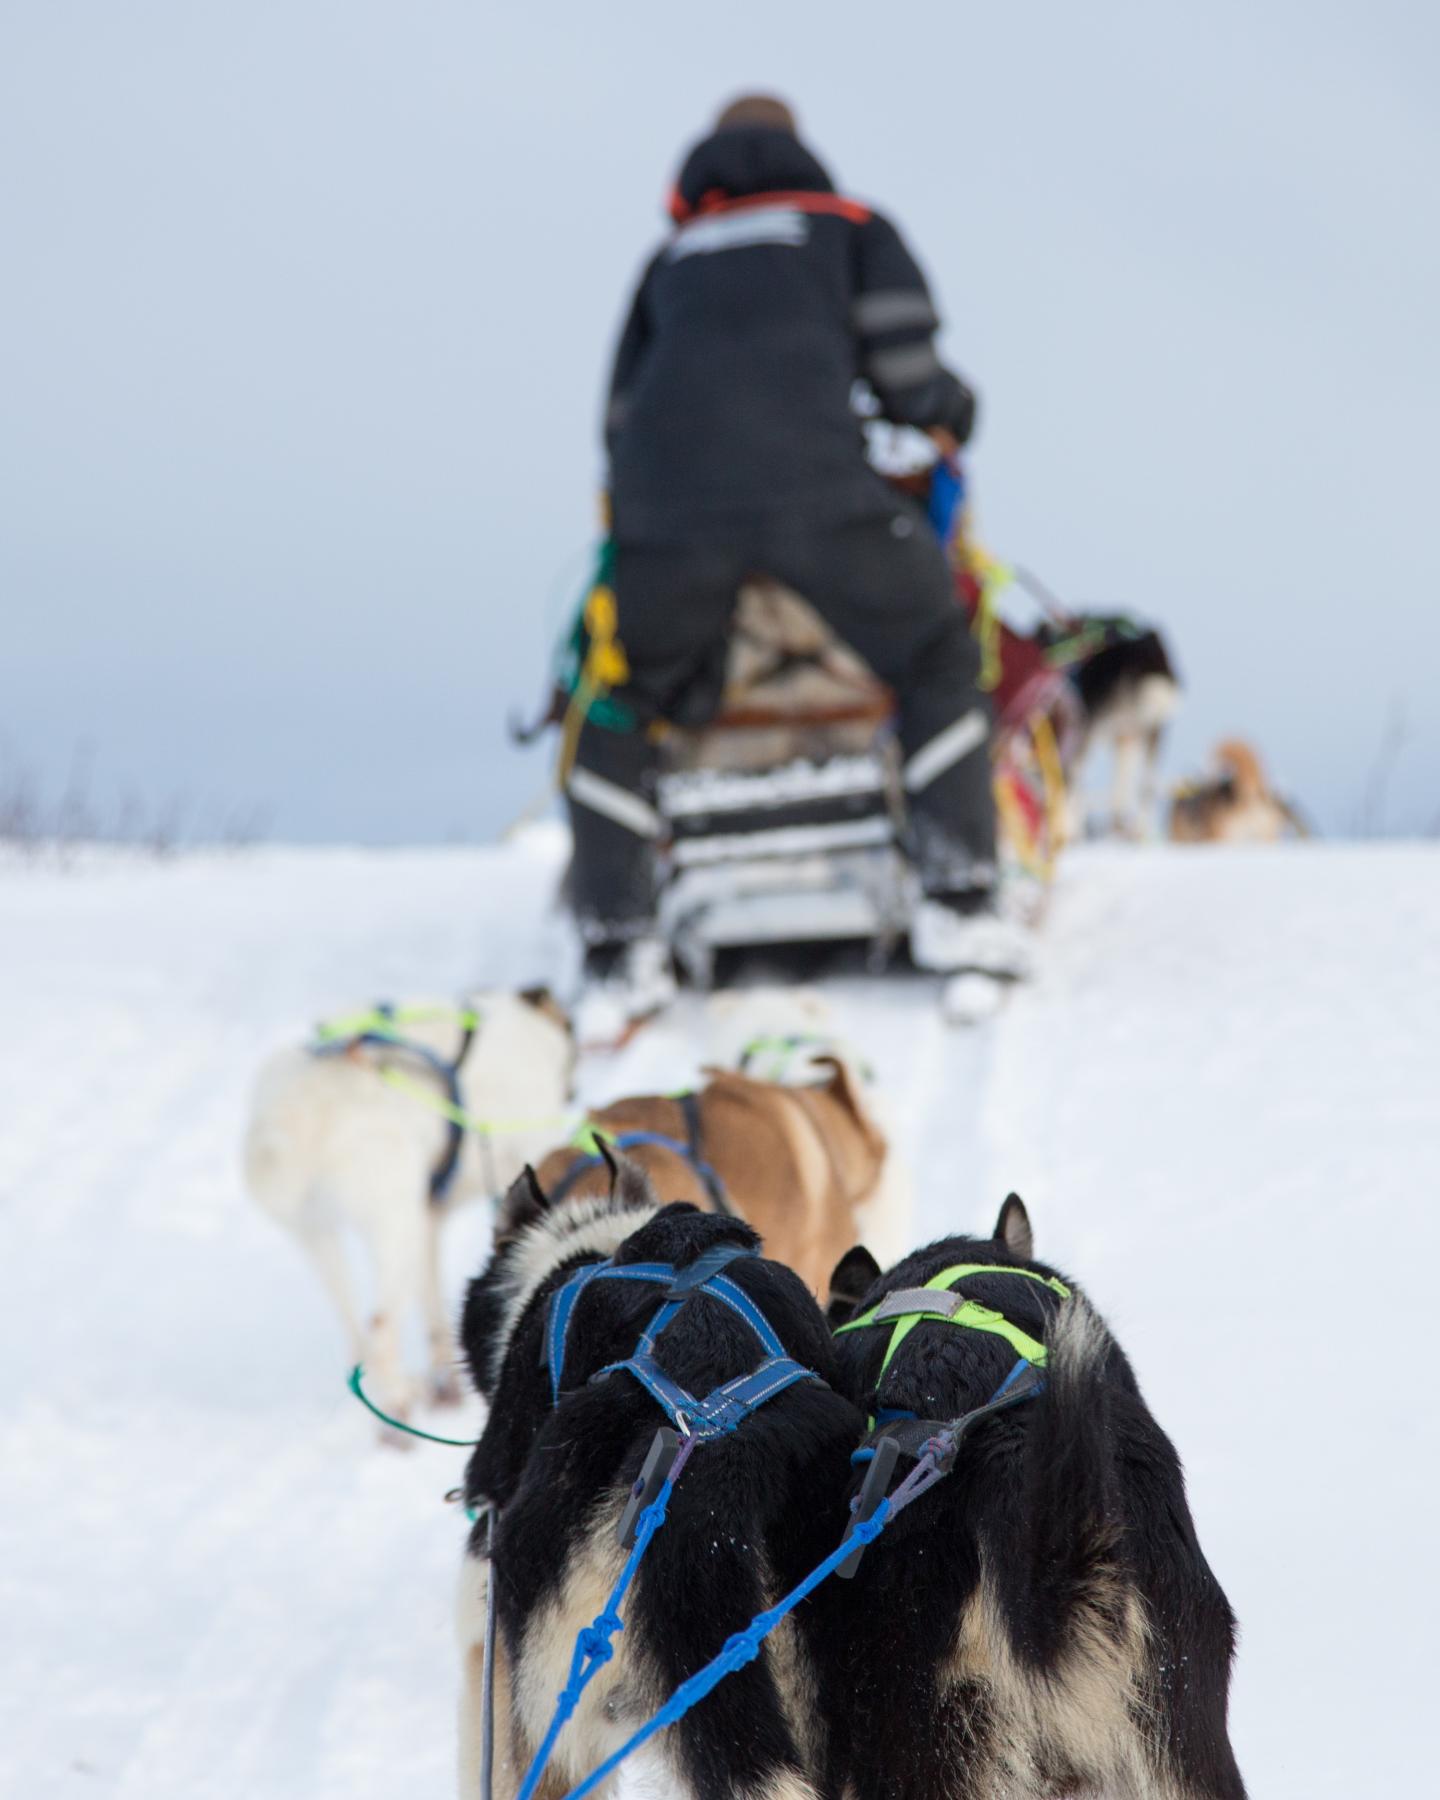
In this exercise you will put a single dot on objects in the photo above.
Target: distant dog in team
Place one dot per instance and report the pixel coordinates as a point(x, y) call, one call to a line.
point(1043, 1621)
point(1235, 806)
point(753, 1511)
point(1127, 693)
point(801, 1160)
point(333, 1144)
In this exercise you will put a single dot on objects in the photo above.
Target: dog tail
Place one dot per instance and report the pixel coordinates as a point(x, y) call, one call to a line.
point(1070, 1529)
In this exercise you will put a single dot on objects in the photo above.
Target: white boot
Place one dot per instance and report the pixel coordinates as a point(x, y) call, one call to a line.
point(640, 983)
point(946, 941)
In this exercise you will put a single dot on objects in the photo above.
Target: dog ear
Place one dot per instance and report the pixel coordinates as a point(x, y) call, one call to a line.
point(545, 1002)
point(845, 1089)
point(523, 1203)
point(608, 1157)
point(1012, 1229)
point(629, 1184)
point(855, 1273)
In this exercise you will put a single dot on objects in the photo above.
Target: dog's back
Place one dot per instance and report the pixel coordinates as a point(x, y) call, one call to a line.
point(1043, 1621)
point(1129, 685)
point(798, 1162)
point(327, 1131)
point(753, 1511)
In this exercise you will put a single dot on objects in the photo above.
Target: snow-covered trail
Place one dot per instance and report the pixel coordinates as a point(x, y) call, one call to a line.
point(1218, 1099)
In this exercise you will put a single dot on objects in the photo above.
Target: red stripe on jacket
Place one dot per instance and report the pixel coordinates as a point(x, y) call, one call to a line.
point(716, 201)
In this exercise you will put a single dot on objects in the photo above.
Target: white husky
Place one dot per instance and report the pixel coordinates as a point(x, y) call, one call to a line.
point(355, 1136)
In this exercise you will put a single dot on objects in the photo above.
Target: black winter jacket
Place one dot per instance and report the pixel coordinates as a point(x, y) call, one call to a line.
point(731, 395)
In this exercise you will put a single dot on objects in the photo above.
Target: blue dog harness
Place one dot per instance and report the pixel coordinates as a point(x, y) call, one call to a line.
point(725, 1407)
point(697, 1421)
point(447, 1073)
point(690, 1151)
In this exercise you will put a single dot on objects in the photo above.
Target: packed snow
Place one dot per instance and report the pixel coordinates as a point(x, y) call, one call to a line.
point(1218, 1098)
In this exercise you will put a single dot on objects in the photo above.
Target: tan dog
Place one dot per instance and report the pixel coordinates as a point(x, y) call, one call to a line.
point(1237, 807)
point(797, 1163)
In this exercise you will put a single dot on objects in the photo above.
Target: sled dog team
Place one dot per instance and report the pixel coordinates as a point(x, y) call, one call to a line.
point(1041, 1622)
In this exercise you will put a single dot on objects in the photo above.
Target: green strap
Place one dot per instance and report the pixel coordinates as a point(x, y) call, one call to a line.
point(972, 1314)
point(593, 1140)
point(779, 1050)
point(373, 1023)
point(399, 1424)
point(447, 1109)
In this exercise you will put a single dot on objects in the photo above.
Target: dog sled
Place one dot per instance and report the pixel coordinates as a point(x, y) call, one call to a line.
point(785, 813)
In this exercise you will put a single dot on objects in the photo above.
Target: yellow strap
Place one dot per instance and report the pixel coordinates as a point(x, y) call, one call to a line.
point(1052, 774)
point(440, 1103)
point(1017, 826)
point(374, 1023)
point(994, 577)
point(972, 1314)
point(606, 666)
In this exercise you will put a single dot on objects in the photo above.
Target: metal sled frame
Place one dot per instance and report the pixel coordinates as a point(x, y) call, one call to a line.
point(805, 851)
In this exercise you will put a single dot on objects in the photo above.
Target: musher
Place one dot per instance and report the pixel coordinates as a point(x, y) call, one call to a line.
point(734, 448)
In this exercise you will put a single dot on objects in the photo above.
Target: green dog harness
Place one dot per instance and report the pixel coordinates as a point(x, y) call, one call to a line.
point(908, 1307)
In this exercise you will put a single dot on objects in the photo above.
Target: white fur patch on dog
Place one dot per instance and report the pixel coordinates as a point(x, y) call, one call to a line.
point(623, 1693)
point(593, 1227)
point(1088, 1709)
point(1078, 1342)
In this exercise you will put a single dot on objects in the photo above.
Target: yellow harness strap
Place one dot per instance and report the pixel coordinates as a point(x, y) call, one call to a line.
point(970, 1313)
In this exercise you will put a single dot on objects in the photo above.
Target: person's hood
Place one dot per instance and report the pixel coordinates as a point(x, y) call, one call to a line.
point(745, 159)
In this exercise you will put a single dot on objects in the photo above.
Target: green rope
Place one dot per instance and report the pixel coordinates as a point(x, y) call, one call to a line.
point(1072, 649)
point(1093, 636)
point(399, 1424)
point(438, 1103)
point(374, 1023)
point(377, 1024)
point(783, 1050)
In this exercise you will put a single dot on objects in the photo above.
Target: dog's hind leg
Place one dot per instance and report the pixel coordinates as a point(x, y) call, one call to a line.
point(1077, 808)
point(1124, 785)
point(396, 1232)
point(1151, 741)
point(444, 1382)
point(326, 1250)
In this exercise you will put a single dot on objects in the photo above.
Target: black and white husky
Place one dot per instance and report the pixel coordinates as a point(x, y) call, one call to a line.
point(752, 1513)
point(1128, 692)
point(1043, 1621)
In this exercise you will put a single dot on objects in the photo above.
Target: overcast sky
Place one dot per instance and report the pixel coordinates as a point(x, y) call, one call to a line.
point(305, 310)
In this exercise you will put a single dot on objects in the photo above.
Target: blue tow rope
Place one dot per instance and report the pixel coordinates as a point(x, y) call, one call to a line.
point(740, 1649)
point(932, 1466)
point(593, 1648)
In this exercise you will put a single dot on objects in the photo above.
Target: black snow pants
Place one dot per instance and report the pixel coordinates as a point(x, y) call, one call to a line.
point(883, 585)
